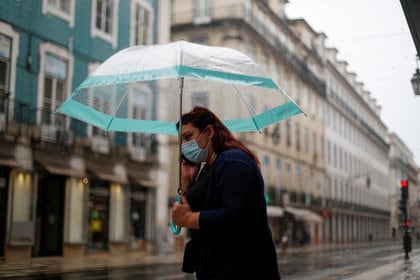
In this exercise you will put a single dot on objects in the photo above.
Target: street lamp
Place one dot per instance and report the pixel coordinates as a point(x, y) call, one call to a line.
point(415, 81)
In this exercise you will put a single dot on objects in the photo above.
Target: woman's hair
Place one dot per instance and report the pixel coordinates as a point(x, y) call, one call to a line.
point(223, 139)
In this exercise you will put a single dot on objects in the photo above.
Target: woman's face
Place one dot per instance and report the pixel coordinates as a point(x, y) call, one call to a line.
point(190, 132)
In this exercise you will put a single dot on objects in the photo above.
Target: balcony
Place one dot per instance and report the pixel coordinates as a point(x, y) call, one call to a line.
point(19, 122)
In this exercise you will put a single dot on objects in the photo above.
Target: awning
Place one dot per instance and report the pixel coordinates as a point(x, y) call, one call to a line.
point(16, 156)
point(66, 166)
point(139, 174)
point(63, 170)
point(142, 182)
point(274, 211)
point(107, 172)
point(304, 214)
point(10, 162)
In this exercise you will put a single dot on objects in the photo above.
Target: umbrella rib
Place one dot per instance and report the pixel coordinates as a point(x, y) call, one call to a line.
point(247, 106)
point(243, 99)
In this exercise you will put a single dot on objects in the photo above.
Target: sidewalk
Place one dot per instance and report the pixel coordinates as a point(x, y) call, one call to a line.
point(58, 265)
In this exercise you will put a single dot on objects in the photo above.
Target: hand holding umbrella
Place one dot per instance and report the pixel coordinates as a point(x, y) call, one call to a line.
point(188, 173)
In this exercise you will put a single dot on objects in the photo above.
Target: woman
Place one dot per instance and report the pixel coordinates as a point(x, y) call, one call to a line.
point(223, 204)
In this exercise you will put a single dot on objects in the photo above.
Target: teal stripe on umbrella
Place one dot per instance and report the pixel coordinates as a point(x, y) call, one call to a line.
point(175, 72)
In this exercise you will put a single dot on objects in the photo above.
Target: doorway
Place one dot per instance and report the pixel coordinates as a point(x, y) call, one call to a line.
point(138, 217)
point(4, 183)
point(50, 216)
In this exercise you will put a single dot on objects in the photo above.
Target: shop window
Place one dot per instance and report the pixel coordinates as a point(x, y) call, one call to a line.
point(98, 209)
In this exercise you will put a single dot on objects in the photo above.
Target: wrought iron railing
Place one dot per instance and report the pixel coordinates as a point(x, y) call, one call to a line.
point(20, 119)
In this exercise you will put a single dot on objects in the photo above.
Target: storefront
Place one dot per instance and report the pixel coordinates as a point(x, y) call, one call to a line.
point(98, 215)
point(275, 213)
point(306, 225)
point(49, 220)
point(137, 232)
point(53, 176)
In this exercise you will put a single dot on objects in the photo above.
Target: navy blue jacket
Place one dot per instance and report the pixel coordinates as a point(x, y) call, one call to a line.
point(234, 238)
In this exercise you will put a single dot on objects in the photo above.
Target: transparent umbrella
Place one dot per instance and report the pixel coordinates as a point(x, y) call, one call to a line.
point(221, 79)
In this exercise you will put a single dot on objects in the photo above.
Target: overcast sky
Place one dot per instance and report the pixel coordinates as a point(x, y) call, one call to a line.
point(374, 38)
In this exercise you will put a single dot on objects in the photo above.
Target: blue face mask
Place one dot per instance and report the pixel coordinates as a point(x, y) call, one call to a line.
point(193, 152)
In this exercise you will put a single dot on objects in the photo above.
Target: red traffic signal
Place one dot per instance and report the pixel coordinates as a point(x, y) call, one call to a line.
point(404, 189)
point(407, 223)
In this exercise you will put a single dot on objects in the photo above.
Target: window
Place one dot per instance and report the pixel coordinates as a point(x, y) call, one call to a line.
point(277, 195)
point(288, 132)
point(276, 133)
point(260, 22)
point(277, 74)
point(304, 97)
point(296, 91)
point(314, 144)
point(55, 79)
point(142, 16)
point(248, 10)
point(306, 140)
point(93, 130)
point(298, 179)
point(335, 155)
point(266, 169)
point(54, 84)
point(328, 152)
point(286, 81)
point(265, 63)
point(63, 9)
point(251, 51)
point(9, 44)
point(289, 175)
point(140, 99)
point(5, 52)
point(202, 11)
point(298, 136)
point(105, 21)
point(313, 104)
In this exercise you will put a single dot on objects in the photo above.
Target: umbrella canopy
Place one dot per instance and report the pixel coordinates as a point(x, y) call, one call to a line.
point(221, 79)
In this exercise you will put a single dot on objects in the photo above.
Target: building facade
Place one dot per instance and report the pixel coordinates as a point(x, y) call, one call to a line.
point(402, 167)
point(357, 158)
point(326, 172)
point(67, 188)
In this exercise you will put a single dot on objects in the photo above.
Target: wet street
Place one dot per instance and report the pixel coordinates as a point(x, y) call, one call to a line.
point(367, 262)
point(372, 262)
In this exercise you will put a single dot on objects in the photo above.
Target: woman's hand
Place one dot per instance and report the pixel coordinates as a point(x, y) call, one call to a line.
point(183, 216)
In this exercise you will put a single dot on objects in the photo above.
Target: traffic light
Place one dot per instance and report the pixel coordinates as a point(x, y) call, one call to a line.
point(407, 223)
point(404, 189)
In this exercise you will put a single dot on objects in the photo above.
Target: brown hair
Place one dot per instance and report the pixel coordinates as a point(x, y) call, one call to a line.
point(223, 139)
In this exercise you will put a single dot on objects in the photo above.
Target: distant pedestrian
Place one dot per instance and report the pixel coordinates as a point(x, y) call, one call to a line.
point(223, 204)
point(284, 241)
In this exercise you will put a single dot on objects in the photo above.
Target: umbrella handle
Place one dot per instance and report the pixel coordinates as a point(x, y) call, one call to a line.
point(176, 229)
